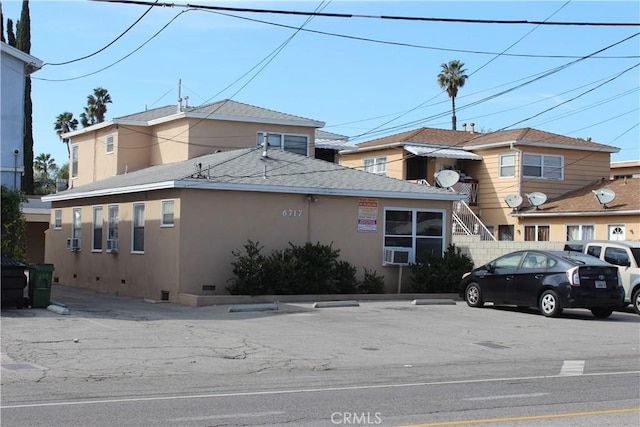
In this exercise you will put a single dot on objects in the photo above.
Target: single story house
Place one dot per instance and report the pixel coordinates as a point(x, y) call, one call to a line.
point(169, 230)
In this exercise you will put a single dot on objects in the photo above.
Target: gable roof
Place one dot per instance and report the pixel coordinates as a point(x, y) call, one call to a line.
point(582, 201)
point(247, 170)
point(333, 141)
point(227, 109)
point(465, 140)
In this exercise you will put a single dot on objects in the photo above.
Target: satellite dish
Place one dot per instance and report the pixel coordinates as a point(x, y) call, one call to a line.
point(447, 178)
point(513, 200)
point(536, 199)
point(604, 196)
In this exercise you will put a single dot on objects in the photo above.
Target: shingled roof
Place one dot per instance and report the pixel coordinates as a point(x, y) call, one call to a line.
point(226, 109)
point(472, 140)
point(582, 201)
point(247, 170)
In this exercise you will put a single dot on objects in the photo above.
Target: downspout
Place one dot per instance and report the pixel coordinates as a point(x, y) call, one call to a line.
point(519, 167)
point(519, 151)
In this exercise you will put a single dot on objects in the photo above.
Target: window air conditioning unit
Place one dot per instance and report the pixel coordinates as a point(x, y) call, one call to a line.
point(73, 244)
point(397, 256)
point(112, 246)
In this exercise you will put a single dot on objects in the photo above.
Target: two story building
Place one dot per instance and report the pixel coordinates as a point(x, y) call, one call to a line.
point(160, 199)
point(526, 165)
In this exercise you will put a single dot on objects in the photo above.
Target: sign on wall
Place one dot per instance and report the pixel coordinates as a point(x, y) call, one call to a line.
point(367, 215)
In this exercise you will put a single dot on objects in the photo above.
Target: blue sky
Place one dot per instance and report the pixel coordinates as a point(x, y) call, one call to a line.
point(360, 88)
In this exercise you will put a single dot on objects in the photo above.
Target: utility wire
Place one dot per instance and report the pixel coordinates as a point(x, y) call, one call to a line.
point(387, 17)
point(98, 51)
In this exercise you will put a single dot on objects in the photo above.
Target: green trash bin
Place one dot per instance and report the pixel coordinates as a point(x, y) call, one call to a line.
point(40, 278)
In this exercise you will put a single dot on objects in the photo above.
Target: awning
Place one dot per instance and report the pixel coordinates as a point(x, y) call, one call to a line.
point(448, 153)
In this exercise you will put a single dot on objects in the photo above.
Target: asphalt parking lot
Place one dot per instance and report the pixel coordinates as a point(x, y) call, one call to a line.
point(106, 335)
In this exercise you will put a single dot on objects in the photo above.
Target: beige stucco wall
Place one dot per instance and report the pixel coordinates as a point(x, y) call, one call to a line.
point(137, 147)
point(395, 160)
point(558, 225)
point(209, 225)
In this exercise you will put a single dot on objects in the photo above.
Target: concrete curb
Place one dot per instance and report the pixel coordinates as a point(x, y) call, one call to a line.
point(327, 304)
point(433, 301)
point(253, 307)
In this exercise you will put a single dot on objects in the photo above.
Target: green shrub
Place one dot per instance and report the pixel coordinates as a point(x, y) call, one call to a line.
point(372, 283)
point(306, 269)
point(440, 274)
point(14, 226)
point(249, 271)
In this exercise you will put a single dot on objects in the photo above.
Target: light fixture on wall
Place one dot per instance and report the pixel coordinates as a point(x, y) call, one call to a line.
point(311, 198)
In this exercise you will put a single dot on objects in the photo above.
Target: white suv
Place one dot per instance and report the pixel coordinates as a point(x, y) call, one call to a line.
point(625, 254)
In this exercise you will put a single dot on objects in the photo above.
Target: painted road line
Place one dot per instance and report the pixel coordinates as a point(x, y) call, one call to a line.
point(226, 416)
point(572, 367)
point(507, 396)
point(301, 390)
point(526, 418)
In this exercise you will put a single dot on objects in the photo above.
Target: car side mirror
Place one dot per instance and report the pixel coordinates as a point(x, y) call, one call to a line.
point(490, 268)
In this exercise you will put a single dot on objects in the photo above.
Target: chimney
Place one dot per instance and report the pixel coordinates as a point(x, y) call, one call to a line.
point(588, 139)
point(464, 127)
point(473, 127)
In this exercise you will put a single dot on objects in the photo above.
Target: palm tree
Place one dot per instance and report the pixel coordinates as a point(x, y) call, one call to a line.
point(96, 107)
point(65, 123)
point(451, 77)
point(45, 165)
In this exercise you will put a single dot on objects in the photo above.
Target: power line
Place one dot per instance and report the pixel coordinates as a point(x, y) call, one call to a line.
point(100, 50)
point(386, 17)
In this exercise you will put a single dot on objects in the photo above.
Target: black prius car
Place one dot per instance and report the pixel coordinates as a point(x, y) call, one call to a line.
point(549, 280)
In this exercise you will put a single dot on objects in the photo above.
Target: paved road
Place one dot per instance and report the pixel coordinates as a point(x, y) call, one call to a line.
point(121, 361)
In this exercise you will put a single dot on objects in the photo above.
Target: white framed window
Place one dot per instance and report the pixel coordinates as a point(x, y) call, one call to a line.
point(112, 225)
point(421, 231)
point(580, 232)
point(298, 144)
point(57, 219)
point(167, 213)
point(76, 228)
point(137, 225)
point(96, 242)
point(536, 233)
point(74, 161)
point(542, 166)
point(108, 145)
point(377, 165)
point(507, 165)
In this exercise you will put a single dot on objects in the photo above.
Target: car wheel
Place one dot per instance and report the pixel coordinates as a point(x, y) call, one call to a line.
point(473, 295)
point(601, 312)
point(549, 304)
point(636, 301)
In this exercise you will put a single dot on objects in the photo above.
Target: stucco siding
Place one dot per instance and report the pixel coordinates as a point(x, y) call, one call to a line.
point(12, 111)
point(132, 147)
point(170, 142)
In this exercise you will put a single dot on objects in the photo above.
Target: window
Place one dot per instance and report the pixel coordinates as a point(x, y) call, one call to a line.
point(298, 144)
point(510, 261)
point(594, 251)
point(505, 232)
point(616, 232)
point(97, 229)
point(167, 213)
point(541, 166)
point(112, 226)
point(580, 232)
point(422, 231)
point(536, 233)
point(109, 144)
point(377, 165)
point(507, 165)
point(57, 219)
point(617, 256)
point(74, 161)
point(76, 228)
point(137, 243)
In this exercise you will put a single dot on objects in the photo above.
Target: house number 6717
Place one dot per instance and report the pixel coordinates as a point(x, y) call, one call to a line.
point(292, 212)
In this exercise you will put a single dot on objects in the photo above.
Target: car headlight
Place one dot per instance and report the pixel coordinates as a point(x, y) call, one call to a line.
point(466, 274)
